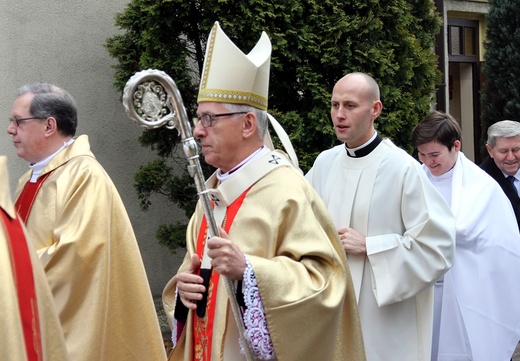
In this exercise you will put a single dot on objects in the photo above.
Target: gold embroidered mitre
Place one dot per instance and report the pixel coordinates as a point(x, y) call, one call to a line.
point(230, 76)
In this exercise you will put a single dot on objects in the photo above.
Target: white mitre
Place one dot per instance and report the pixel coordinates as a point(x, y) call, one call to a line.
point(230, 76)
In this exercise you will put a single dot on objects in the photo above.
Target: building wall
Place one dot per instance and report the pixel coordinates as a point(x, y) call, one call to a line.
point(61, 42)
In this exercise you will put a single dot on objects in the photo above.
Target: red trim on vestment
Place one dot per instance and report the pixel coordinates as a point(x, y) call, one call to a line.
point(26, 198)
point(24, 283)
point(203, 327)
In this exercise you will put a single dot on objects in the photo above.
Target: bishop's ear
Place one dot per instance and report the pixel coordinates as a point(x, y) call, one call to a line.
point(249, 124)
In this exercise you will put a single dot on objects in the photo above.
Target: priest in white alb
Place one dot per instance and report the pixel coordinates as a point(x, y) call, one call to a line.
point(397, 231)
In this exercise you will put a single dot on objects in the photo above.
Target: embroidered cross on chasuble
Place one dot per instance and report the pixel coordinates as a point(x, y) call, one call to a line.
point(203, 326)
point(24, 281)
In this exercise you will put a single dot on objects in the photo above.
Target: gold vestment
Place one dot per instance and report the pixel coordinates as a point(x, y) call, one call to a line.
point(300, 267)
point(81, 231)
point(12, 343)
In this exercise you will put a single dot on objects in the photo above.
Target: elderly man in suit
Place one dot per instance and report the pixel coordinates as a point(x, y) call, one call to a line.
point(503, 163)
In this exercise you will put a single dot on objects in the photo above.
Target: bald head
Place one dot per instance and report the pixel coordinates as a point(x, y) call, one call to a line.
point(363, 82)
point(355, 105)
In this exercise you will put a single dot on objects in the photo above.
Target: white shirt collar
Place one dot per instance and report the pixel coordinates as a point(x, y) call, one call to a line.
point(352, 151)
point(256, 154)
point(38, 167)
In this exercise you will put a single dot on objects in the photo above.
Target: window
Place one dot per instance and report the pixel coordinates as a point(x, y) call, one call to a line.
point(462, 39)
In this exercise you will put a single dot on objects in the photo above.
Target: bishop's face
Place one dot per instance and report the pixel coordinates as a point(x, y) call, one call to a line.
point(437, 157)
point(221, 141)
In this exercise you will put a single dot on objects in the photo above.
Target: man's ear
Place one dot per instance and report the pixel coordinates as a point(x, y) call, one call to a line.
point(377, 107)
point(457, 145)
point(51, 126)
point(489, 149)
point(249, 125)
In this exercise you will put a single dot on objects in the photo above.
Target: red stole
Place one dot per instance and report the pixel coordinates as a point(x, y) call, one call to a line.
point(203, 327)
point(25, 201)
point(24, 282)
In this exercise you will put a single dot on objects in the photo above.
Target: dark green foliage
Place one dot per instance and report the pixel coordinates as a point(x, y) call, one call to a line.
point(501, 92)
point(172, 236)
point(157, 177)
point(315, 42)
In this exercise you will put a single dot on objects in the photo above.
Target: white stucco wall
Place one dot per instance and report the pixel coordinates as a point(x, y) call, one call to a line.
point(61, 42)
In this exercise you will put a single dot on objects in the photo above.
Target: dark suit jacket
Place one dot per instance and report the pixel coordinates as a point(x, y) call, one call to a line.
point(491, 168)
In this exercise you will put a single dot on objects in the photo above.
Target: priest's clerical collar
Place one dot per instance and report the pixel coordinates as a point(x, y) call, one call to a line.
point(38, 167)
point(364, 149)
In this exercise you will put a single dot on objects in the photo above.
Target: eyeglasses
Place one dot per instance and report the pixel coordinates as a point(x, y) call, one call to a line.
point(207, 119)
point(18, 121)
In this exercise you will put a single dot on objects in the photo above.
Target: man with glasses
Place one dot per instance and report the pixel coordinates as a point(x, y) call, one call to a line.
point(277, 244)
point(79, 227)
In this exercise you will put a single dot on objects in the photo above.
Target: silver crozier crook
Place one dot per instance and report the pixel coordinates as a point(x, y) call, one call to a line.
point(152, 99)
